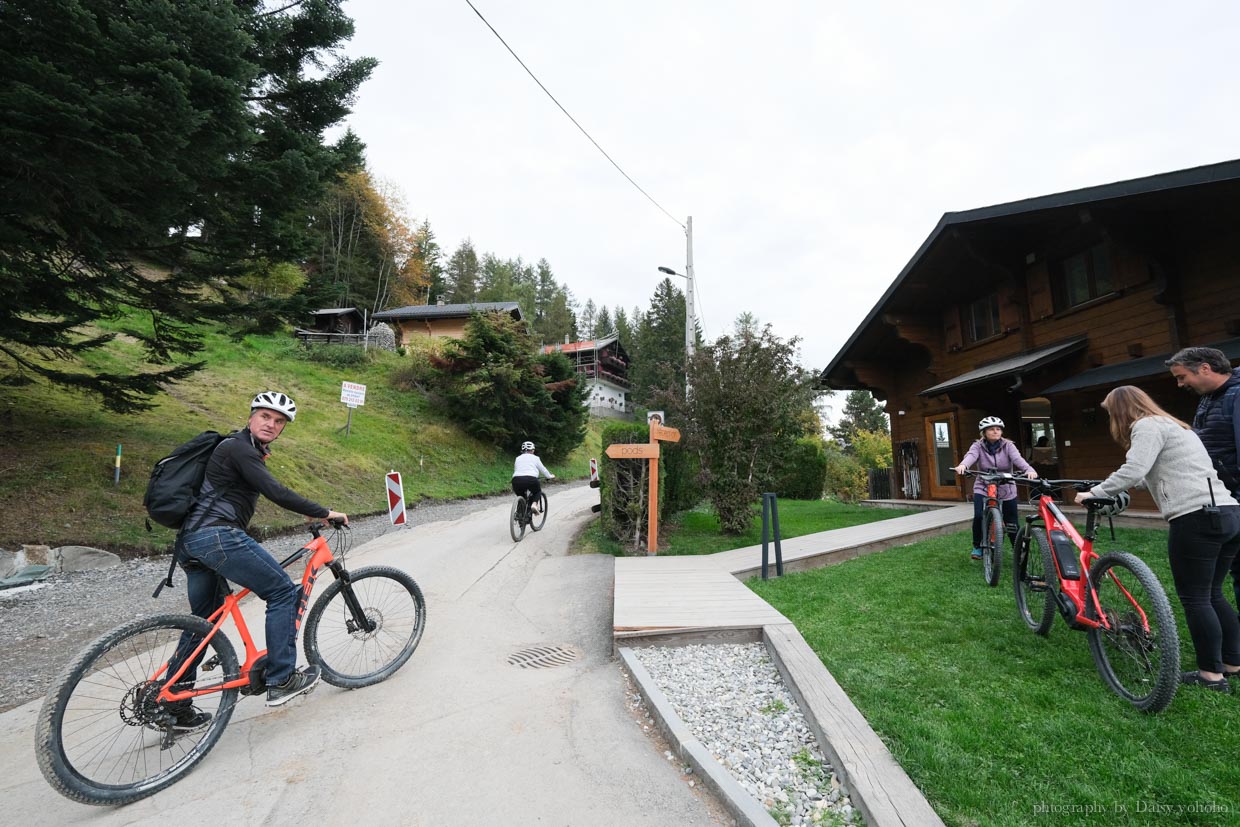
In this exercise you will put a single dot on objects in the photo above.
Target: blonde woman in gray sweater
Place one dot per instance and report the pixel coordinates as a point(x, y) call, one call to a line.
point(1168, 459)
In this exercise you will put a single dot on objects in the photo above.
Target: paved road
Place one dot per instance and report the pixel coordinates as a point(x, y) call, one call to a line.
point(457, 737)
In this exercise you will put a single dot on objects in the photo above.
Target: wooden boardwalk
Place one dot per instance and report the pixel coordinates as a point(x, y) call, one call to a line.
point(678, 595)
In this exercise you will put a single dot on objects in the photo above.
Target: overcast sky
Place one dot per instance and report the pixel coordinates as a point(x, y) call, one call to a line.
point(815, 144)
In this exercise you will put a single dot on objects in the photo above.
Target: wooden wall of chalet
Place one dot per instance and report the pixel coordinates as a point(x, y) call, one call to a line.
point(435, 328)
point(1211, 296)
point(1129, 325)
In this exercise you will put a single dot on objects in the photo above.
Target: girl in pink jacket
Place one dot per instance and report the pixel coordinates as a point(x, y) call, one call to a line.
point(993, 453)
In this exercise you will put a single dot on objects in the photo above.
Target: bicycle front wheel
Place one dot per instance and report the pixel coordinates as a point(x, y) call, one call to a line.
point(362, 630)
point(1033, 571)
point(516, 519)
point(992, 545)
point(101, 737)
point(537, 521)
point(1138, 650)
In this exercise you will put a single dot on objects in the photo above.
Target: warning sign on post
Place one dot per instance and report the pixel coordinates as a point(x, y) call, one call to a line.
point(593, 470)
point(352, 394)
point(396, 498)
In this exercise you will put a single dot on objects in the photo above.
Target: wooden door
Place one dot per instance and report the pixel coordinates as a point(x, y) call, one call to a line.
point(944, 453)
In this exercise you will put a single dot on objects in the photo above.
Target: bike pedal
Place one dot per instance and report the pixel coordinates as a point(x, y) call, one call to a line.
point(211, 663)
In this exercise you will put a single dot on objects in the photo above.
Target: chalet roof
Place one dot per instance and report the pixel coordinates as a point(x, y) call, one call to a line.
point(336, 311)
point(581, 347)
point(1121, 372)
point(1166, 189)
point(447, 311)
point(1011, 366)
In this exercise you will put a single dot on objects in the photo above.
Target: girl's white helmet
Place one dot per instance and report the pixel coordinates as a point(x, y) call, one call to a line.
point(275, 401)
point(527, 446)
point(989, 422)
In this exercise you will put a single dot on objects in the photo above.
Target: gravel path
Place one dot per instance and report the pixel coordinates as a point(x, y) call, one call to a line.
point(732, 698)
point(42, 628)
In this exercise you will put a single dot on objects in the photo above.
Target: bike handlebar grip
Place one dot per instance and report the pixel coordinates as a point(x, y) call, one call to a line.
point(337, 523)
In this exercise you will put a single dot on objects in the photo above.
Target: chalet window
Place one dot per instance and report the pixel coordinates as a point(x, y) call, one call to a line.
point(1082, 278)
point(981, 319)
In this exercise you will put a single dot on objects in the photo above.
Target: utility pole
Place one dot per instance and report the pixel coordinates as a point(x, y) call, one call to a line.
point(690, 319)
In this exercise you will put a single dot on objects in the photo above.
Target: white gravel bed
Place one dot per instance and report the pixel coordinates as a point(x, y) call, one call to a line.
point(732, 698)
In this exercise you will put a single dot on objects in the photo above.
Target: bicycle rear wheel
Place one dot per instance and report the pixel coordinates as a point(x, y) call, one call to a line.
point(1033, 572)
point(992, 545)
point(1138, 654)
point(361, 631)
point(101, 738)
point(516, 519)
point(537, 521)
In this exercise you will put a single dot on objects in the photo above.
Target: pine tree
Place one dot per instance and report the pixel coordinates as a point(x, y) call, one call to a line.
point(861, 413)
point(122, 120)
point(603, 326)
point(586, 319)
point(658, 358)
point(462, 274)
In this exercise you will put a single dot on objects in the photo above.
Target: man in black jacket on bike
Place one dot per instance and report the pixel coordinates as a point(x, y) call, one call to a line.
point(214, 547)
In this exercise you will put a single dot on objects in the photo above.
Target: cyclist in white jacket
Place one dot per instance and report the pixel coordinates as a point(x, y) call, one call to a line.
point(525, 471)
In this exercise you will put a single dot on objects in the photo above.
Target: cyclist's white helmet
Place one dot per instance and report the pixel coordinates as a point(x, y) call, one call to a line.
point(527, 446)
point(1122, 500)
point(989, 422)
point(275, 401)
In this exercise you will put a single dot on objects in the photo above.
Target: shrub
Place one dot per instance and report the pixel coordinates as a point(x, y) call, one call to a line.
point(624, 486)
point(846, 477)
point(338, 356)
point(805, 471)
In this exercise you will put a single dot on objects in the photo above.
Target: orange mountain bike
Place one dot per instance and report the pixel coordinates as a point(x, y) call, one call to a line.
point(108, 731)
point(993, 529)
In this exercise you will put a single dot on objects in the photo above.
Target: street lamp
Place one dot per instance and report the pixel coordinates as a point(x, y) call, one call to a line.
point(690, 321)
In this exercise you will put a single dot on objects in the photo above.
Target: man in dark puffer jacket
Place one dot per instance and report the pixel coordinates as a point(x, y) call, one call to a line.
point(1208, 372)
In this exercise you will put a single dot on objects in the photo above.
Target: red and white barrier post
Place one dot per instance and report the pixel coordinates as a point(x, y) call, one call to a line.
point(396, 498)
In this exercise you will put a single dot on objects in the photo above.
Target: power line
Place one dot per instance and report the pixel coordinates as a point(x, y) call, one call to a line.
point(570, 117)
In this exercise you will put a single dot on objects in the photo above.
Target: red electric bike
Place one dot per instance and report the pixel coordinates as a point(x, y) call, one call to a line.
point(1114, 598)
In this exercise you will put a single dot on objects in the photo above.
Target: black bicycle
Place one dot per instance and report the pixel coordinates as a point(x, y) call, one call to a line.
point(523, 514)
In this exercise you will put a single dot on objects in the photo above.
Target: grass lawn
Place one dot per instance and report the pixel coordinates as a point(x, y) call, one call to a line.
point(697, 531)
point(996, 725)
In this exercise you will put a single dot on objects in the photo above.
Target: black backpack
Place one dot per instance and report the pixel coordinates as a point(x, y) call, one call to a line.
point(177, 479)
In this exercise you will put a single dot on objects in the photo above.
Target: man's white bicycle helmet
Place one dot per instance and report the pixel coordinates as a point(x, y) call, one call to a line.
point(527, 446)
point(275, 401)
point(1122, 500)
point(989, 422)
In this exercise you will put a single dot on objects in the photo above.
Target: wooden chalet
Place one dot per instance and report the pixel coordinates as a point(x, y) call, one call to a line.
point(604, 366)
point(440, 319)
point(1033, 310)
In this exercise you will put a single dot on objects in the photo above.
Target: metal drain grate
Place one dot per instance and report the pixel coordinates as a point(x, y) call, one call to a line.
point(543, 657)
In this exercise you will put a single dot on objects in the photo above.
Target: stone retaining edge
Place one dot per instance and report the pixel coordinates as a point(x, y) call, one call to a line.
point(744, 807)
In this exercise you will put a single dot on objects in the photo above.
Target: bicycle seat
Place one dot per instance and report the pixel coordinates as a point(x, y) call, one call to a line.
point(1098, 502)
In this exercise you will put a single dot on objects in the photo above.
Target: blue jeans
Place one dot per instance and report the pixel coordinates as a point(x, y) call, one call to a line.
point(213, 556)
point(1010, 518)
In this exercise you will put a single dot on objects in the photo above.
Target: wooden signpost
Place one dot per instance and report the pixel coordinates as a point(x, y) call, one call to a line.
point(648, 451)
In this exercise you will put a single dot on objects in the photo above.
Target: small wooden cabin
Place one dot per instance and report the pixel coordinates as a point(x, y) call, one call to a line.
point(1033, 310)
point(334, 325)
